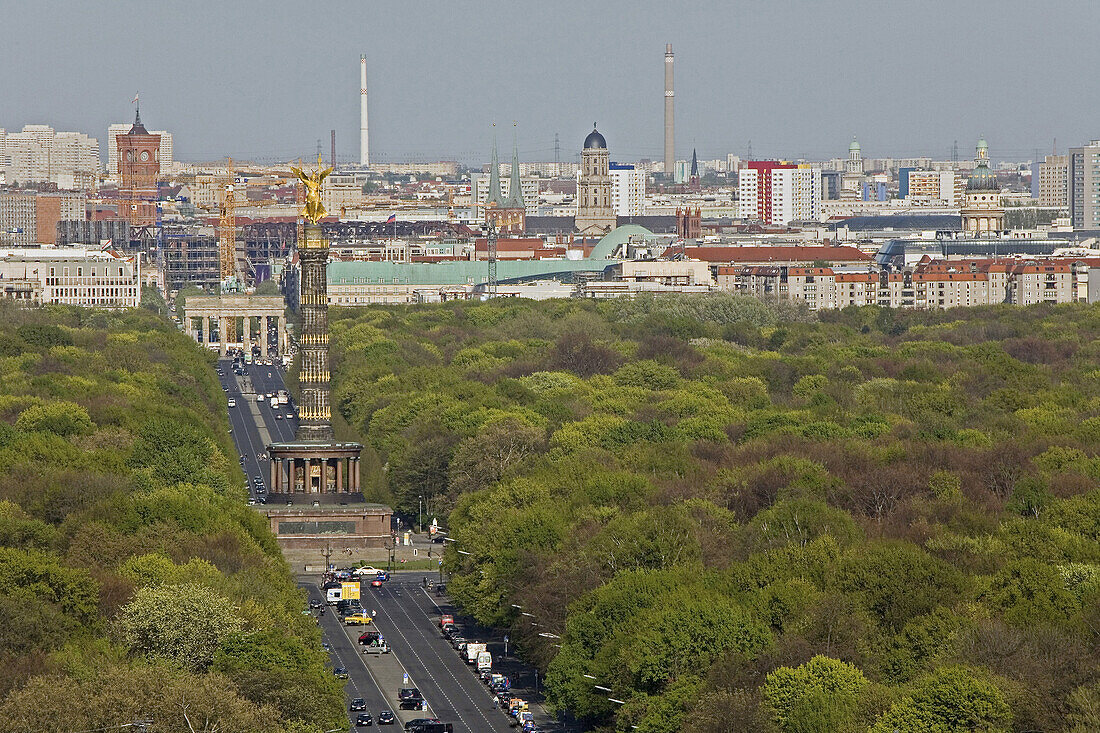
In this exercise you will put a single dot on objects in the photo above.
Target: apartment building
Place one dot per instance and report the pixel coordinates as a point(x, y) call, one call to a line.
point(627, 189)
point(91, 278)
point(1051, 186)
point(774, 192)
point(930, 284)
point(1083, 186)
point(39, 154)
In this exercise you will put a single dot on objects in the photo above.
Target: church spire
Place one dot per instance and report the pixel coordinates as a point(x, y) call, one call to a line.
point(515, 188)
point(494, 198)
point(694, 163)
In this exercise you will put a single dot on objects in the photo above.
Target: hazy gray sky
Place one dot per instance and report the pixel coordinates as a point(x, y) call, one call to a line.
point(265, 80)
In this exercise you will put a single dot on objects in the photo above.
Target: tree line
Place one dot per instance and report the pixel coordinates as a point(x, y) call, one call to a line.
point(135, 583)
point(743, 516)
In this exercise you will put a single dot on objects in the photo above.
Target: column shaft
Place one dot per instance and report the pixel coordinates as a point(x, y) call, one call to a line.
point(271, 483)
point(223, 329)
point(322, 485)
point(263, 336)
point(339, 462)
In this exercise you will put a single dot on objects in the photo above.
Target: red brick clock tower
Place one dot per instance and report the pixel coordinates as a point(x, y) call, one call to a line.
point(138, 168)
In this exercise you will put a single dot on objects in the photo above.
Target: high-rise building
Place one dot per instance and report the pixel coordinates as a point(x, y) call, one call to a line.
point(627, 189)
point(1084, 186)
point(39, 154)
point(1051, 185)
point(982, 212)
point(138, 168)
point(594, 214)
point(18, 219)
point(944, 186)
point(774, 192)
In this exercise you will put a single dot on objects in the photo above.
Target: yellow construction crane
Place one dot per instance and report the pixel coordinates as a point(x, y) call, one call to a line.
point(227, 227)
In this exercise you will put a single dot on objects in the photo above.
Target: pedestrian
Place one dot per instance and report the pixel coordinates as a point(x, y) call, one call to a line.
point(423, 582)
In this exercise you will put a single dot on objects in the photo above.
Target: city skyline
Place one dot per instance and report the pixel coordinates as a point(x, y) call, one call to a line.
point(236, 87)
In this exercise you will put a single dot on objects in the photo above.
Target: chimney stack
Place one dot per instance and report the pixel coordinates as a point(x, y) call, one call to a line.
point(670, 151)
point(364, 145)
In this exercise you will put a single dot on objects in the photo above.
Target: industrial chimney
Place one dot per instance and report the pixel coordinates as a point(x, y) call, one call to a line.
point(364, 145)
point(670, 151)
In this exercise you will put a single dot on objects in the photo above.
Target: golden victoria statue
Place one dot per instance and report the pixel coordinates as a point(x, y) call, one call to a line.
point(314, 209)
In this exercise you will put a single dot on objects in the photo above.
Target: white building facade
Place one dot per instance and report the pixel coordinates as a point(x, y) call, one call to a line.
point(90, 278)
point(627, 189)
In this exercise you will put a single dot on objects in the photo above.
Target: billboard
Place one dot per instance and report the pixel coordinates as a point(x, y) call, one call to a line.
point(349, 591)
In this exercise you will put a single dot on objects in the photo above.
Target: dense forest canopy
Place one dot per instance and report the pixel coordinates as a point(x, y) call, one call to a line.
point(739, 516)
point(135, 582)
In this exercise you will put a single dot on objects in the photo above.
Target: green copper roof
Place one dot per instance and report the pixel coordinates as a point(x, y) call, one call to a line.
point(611, 241)
point(494, 198)
point(515, 189)
point(464, 272)
point(854, 147)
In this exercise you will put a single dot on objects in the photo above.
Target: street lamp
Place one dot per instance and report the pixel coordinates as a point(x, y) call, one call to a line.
point(419, 513)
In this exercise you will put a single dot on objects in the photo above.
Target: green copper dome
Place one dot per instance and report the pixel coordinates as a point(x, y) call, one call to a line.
point(982, 179)
point(854, 147)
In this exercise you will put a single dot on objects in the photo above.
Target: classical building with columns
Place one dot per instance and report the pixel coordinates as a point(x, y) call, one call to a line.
point(982, 213)
point(315, 477)
point(207, 319)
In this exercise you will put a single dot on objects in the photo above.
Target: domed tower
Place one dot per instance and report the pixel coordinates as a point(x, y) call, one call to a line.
point(595, 216)
point(852, 178)
point(982, 212)
point(854, 164)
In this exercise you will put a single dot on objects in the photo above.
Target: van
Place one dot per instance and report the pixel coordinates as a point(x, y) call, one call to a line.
point(333, 595)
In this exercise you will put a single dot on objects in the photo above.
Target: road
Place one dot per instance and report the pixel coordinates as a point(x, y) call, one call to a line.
point(408, 619)
point(406, 614)
point(253, 423)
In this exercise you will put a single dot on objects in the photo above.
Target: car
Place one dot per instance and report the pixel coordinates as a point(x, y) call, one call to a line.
point(232, 402)
point(290, 416)
point(376, 583)
point(357, 704)
point(325, 647)
point(363, 719)
point(314, 603)
point(252, 502)
point(340, 673)
point(356, 619)
point(225, 388)
point(278, 416)
point(438, 539)
point(385, 717)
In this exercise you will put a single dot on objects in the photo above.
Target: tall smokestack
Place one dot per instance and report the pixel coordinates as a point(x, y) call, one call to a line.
point(670, 96)
point(364, 145)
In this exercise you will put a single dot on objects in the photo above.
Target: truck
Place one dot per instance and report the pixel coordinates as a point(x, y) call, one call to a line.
point(334, 595)
point(484, 661)
point(472, 650)
point(283, 396)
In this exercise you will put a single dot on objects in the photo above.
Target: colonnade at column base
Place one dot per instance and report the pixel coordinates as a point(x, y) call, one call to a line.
point(315, 471)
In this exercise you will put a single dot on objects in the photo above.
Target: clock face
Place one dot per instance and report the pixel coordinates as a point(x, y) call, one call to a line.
point(144, 155)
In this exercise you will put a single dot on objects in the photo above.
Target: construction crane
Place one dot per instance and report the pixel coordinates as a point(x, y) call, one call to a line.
point(227, 231)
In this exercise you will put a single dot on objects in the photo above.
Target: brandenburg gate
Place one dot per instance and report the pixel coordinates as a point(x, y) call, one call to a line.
point(202, 312)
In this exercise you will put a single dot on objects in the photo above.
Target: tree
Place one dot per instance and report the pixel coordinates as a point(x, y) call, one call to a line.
point(60, 418)
point(950, 700)
point(183, 623)
point(1027, 591)
point(823, 690)
point(483, 459)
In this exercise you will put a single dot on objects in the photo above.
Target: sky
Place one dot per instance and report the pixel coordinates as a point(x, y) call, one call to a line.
point(265, 80)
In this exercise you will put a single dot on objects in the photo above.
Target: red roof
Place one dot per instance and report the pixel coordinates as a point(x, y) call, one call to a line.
point(777, 253)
